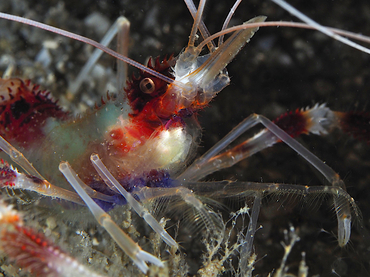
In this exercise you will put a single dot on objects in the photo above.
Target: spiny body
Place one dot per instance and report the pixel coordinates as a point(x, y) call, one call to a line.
point(134, 137)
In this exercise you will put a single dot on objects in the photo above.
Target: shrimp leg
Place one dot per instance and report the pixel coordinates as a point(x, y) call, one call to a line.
point(318, 120)
point(132, 249)
point(208, 217)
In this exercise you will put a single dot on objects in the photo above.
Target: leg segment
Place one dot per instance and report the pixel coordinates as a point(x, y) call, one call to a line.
point(246, 248)
point(139, 209)
point(18, 158)
point(139, 256)
point(33, 181)
point(221, 189)
point(318, 120)
point(151, 193)
point(224, 189)
point(207, 217)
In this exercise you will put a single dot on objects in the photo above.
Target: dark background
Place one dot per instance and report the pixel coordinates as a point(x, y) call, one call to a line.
point(281, 69)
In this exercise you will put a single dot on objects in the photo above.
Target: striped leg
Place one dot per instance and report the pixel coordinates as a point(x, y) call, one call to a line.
point(318, 120)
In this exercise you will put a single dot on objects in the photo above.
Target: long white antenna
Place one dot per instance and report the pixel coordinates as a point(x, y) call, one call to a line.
point(319, 27)
point(92, 43)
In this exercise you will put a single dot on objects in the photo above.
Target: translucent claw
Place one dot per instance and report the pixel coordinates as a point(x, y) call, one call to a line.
point(344, 231)
point(145, 256)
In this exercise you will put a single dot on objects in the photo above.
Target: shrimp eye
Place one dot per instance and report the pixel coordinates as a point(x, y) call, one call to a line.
point(147, 85)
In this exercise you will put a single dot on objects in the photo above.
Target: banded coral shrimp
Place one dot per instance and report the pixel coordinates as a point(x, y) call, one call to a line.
point(247, 111)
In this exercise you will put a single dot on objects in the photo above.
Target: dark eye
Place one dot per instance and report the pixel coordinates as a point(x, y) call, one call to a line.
point(147, 85)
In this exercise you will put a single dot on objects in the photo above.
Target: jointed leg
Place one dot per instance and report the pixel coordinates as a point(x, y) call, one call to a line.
point(18, 158)
point(139, 209)
point(11, 178)
point(221, 189)
point(318, 120)
point(246, 247)
point(139, 256)
point(208, 217)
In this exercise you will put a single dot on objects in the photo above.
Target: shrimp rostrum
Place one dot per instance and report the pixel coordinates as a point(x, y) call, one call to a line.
point(138, 149)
